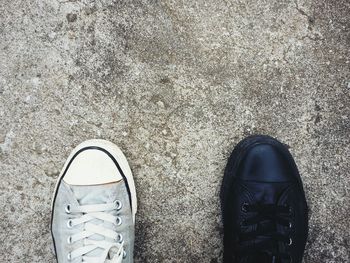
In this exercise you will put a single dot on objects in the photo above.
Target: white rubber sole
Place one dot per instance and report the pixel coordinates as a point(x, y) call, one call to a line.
point(119, 157)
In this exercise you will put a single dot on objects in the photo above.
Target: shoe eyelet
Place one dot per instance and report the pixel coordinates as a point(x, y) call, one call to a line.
point(124, 254)
point(245, 207)
point(69, 240)
point(69, 256)
point(70, 223)
point(119, 205)
point(67, 209)
point(120, 238)
point(119, 221)
point(290, 242)
point(290, 210)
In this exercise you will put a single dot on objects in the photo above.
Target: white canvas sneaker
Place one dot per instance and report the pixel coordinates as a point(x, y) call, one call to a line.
point(94, 206)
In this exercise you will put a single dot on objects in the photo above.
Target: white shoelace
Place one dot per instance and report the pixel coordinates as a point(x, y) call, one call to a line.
point(89, 213)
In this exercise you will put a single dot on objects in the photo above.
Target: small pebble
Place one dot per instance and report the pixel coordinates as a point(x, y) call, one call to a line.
point(160, 104)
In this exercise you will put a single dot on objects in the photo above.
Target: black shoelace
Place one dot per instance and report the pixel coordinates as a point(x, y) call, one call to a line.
point(262, 243)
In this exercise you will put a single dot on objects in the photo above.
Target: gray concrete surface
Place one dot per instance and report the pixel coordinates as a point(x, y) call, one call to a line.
point(176, 84)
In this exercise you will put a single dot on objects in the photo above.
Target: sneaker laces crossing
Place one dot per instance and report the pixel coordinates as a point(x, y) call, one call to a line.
point(112, 243)
point(262, 242)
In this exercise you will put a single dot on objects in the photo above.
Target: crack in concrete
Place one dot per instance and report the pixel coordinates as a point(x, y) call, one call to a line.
point(310, 18)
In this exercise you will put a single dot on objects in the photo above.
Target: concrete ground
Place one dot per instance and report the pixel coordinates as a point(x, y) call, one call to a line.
point(176, 84)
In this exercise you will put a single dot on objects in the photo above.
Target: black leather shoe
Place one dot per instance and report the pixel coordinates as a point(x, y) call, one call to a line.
point(263, 204)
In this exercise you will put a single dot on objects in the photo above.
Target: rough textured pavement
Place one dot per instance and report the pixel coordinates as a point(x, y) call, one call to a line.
point(176, 84)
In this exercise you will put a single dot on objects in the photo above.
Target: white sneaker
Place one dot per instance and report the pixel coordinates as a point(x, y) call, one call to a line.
point(94, 206)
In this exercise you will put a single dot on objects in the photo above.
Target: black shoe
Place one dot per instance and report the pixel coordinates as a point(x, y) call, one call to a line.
point(263, 204)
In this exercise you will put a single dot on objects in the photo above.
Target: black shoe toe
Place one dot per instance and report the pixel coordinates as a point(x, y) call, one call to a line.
point(265, 163)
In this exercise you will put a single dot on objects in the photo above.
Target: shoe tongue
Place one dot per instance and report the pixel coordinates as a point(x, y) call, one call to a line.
point(95, 195)
point(266, 193)
point(261, 258)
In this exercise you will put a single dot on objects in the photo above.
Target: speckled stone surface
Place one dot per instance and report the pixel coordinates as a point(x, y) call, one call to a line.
point(176, 84)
